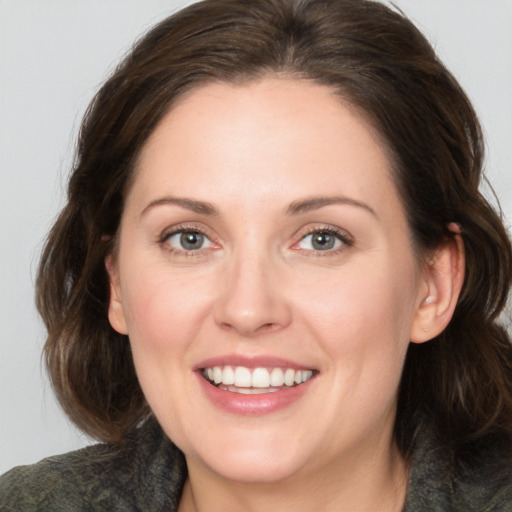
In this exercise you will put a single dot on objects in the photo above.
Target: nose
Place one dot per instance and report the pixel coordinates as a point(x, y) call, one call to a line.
point(252, 299)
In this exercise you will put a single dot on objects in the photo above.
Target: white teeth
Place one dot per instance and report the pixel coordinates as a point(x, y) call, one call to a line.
point(277, 377)
point(217, 375)
point(256, 378)
point(260, 378)
point(228, 376)
point(242, 377)
point(251, 391)
point(289, 377)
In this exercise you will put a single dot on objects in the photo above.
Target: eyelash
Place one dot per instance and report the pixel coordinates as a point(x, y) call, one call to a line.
point(342, 236)
point(166, 235)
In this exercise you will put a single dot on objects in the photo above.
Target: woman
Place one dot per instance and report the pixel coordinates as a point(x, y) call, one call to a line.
point(275, 284)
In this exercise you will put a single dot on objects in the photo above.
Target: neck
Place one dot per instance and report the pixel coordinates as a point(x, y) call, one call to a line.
point(361, 485)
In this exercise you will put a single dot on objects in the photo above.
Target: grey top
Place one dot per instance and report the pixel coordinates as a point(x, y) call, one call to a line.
point(149, 473)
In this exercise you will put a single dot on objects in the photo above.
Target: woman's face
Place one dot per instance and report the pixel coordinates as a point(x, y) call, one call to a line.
point(263, 243)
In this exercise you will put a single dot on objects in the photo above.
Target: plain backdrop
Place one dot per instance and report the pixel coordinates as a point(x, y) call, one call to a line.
point(53, 56)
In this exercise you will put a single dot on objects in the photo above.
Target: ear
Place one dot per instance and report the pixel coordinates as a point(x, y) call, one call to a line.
point(116, 314)
point(443, 277)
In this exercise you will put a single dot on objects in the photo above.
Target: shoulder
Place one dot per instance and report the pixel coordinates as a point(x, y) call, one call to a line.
point(478, 481)
point(57, 483)
point(147, 474)
point(482, 481)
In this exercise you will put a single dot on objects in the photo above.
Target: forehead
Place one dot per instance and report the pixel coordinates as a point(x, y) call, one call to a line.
point(268, 138)
point(276, 103)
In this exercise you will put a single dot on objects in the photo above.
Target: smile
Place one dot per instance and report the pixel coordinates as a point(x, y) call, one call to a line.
point(243, 380)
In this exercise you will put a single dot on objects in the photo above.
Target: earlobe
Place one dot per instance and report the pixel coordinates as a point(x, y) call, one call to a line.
point(444, 276)
point(116, 314)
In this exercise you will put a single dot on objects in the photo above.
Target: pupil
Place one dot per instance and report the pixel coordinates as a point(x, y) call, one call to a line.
point(191, 241)
point(323, 241)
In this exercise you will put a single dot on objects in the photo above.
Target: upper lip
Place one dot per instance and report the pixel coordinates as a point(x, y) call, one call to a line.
point(262, 361)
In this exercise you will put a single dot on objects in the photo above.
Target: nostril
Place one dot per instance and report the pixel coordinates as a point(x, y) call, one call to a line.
point(227, 326)
point(266, 327)
point(269, 327)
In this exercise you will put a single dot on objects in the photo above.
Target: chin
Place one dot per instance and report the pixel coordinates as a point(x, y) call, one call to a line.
point(260, 467)
point(249, 457)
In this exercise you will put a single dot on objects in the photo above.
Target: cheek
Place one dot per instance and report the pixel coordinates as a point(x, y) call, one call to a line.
point(164, 314)
point(363, 316)
point(163, 311)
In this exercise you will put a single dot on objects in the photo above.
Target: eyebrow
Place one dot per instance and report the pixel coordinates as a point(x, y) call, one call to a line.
point(295, 208)
point(201, 207)
point(314, 203)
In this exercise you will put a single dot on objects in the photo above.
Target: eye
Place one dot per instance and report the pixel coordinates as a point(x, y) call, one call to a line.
point(187, 240)
point(323, 240)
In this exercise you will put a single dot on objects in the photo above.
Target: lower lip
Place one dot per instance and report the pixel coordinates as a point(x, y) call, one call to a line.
point(252, 405)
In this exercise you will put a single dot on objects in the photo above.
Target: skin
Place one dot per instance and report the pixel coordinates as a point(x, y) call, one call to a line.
point(257, 287)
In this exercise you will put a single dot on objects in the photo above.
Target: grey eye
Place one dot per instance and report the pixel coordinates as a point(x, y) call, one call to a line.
point(320, 241)
point(188, 240)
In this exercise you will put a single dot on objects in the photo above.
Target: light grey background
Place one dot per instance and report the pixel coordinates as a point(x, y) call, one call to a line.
point(53, 56)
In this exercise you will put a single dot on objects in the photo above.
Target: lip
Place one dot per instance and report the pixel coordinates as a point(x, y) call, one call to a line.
point(257, 404)
point(251, 362)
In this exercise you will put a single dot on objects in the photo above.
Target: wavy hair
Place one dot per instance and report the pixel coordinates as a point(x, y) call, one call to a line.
point(377, 61)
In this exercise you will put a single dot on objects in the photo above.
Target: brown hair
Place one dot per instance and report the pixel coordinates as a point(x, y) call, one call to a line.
point(379, 62)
